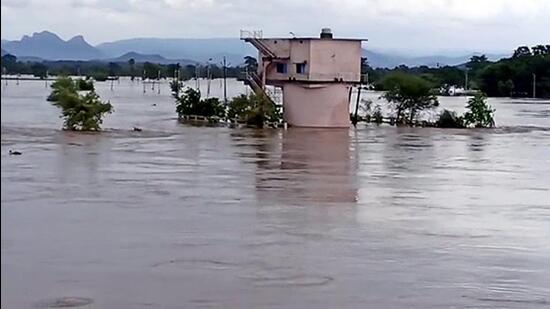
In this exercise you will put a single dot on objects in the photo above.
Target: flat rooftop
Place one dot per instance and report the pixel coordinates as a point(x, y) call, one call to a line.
point(308, 39)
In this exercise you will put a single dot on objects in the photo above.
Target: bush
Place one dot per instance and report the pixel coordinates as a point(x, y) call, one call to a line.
point(85, 85)
point(377, 116)
point(190, 103)
point(253, 109)
point(176, 86)
point(98, 76)
point(449, 119)
point(80, 112)
point(60, 85)
point(409, 94)
point(479, 114)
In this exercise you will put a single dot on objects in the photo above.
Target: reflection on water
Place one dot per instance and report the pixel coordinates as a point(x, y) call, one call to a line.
point(293, 166)
point(178, 216)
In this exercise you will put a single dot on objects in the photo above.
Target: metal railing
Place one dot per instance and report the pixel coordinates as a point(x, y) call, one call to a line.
point(254, 34)
point(255, 37)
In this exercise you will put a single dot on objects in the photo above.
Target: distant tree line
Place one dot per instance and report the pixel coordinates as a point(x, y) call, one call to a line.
point(103, 70)
point(507, 77)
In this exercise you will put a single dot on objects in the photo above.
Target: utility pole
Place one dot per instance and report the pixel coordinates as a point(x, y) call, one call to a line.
point(534, 86)
point(355, 120)
point(224, 81)
point(466, 82)
point(208, 79)
point(143, 80)
point(158, 78)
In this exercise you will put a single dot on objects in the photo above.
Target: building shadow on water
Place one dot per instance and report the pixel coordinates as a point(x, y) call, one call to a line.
point(300, 166)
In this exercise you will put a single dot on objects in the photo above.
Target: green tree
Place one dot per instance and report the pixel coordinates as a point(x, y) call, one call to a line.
point(506, 87)
point(132, 64)
point(254, 109)
point(449, 119)
point(540, 50)
point(409, 94)
point(479, 114)
point(150, 70)
point(191, 104)
point(39, 70)
point(114, 69)
point(9, 62)
point(62, 84)
point(522, 51)
point(80, 112)
point(251, 64)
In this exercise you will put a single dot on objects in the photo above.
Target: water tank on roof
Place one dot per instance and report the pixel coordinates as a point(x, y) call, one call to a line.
point(326, 33)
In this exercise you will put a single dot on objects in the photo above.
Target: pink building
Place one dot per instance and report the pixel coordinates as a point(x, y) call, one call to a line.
point(315, 75)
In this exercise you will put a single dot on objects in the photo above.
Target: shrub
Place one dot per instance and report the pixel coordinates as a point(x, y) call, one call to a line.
point(409, 94)
point(85, 85)
point(449, 119)
point(479, 114)
point(175, 86)
point(190, 103)
point(254, 109)
point(80, 112)
point(99, 76)
point(377, 116)
point(60, 85)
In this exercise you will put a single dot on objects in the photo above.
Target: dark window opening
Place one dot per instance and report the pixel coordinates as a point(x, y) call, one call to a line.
point(281, 68)
point(300, 68)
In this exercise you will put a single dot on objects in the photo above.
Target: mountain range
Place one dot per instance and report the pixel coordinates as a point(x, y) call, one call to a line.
point(49, 46)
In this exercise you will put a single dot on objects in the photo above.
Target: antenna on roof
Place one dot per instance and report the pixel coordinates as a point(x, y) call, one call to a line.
point(293, 35)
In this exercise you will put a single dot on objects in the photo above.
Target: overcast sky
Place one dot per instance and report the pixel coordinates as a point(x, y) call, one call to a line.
point(414, 25)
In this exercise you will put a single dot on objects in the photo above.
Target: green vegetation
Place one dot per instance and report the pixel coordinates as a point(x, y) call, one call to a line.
point(191, 104)
point(81, 112)
point(409, 95)
point(377, 116)
point(449, 119)
point(85, 85)
point(98, 75)
point(253, 109)
point(507, 77)
point(175, 87)
point(100, 71)
point(479, 114)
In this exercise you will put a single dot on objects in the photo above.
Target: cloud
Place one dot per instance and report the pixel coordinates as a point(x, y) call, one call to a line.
point(389, 24)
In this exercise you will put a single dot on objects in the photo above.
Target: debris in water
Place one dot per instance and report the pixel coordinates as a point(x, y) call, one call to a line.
point(66, 302)
point(137, 129)
point(15, 153)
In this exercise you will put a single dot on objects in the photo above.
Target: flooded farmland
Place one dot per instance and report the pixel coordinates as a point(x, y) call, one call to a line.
point(178, 216)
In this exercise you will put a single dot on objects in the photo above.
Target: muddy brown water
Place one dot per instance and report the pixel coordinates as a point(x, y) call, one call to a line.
point(196, 217)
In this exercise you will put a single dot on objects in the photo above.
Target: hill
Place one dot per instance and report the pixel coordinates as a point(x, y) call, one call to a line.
point(197, 49)
point(47, 45)
point(153, 58)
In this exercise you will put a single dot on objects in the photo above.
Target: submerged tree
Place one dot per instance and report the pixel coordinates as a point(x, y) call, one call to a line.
point(409, 94)
point(80, 112)
point(254, 109)
point(479, 114)
point(449, 119)
point(191, 104)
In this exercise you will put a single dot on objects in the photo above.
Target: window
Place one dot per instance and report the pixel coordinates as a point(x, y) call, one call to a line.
point(300, 68)
point(281, 68)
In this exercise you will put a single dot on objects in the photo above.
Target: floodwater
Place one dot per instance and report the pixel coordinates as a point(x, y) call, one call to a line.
point(198, 217)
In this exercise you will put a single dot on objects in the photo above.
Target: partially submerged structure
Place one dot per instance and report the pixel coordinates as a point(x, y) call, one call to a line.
point(315, 75)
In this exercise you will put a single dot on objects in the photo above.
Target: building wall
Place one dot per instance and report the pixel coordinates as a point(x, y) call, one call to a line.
point(316, 105)
point(326, 60)
point(335, 59)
